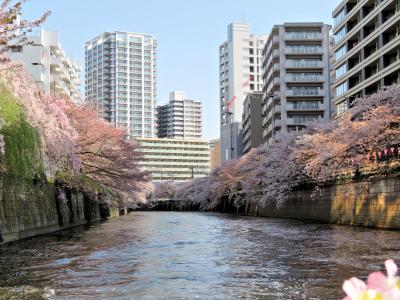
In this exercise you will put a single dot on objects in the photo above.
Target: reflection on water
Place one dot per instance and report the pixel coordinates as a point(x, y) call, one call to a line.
point(167, 255)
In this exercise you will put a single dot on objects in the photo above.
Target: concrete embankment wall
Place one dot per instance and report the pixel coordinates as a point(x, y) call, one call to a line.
point(29, 208)
point(374, 203)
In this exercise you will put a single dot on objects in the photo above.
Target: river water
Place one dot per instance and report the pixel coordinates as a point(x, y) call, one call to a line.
point(169, 255)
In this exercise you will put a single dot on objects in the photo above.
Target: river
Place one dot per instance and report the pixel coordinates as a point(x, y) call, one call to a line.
point(171, 255)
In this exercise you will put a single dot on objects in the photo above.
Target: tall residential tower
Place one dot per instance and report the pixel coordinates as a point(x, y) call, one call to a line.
point(240, 73)
point(121, 80)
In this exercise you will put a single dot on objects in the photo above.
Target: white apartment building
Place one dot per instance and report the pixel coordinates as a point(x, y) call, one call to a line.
point(240, 63)
point(367, 49)
point(296, 78)
point(43, 57)
point(180, 118)
point(175, 159)
point(121, 80)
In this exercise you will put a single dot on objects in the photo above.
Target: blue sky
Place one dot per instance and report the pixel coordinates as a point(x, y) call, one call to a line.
point(189, 33)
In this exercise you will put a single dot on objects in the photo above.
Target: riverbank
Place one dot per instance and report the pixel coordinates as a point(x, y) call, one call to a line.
point(34, 207)
point(372, 203)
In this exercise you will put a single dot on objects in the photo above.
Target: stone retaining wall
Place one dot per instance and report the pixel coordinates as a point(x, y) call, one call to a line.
point(373, 203)
point(30, 207)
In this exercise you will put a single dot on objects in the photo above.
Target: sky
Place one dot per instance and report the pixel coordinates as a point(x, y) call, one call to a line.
point(188, 33)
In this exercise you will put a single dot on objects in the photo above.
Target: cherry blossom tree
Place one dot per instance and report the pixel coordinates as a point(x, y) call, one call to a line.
point(46, 113)
point(348, 144)
point(165, 189)
point(106, 155)
point(13, 30)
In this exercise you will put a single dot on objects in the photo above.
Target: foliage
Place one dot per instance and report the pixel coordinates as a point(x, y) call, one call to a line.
point(12, 28)
point(378, 286)
point(22, 141)
point(320, 154)
point(51, 136)
point(164, 190)
point(105, 153)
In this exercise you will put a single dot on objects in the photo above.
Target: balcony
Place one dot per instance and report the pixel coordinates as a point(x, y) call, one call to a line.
point(305, 92)
point(305, 106)
point(304, 50)
point(303, 36)
point(301, 64)
point(304, 78)
point(302, 120)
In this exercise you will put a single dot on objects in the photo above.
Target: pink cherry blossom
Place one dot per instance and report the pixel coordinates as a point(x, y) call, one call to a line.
point(378, 287)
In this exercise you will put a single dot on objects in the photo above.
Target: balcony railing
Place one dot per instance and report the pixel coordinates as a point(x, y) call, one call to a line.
point(303, 36)
point(303, 64)
point(304, 50)
point(301, 120)
point(304, 106)
point(305, 78)
point(305, 92)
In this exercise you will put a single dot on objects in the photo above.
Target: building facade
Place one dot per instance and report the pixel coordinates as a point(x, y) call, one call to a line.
point(121, 80)
point(215, 153)
point(175, 159)
point(252, 122)
point(367, 49)
point(297, 82)
point(47, 63)
point(180, 118)
point(240, 73)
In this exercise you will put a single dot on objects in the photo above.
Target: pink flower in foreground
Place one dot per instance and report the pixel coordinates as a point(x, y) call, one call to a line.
point(378, 287)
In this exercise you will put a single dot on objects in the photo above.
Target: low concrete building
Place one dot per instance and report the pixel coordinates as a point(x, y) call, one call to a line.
point(215, 153)
point(48, 64)
point(252, 132)
point(175, 159)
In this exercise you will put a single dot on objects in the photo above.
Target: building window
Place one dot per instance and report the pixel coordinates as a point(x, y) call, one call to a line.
point(340, 16)
point(341, 89)
point(341, 108)
point(341, 70)
point(340, 53)
point(340, 35)
point(16, 49)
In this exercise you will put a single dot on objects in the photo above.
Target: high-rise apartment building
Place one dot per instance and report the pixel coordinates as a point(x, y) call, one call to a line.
point(180, 118)
point(47, 63)
point(240, 73)
point(121, 80)
point(367, 49)
point(252, 122)
point(296, 76)
point(175, 159)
